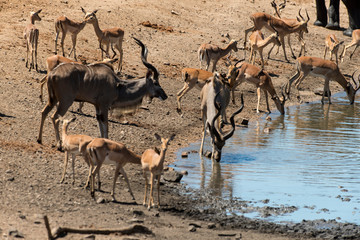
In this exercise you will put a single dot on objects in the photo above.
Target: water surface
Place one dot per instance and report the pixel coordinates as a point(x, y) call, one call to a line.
point(308, 159)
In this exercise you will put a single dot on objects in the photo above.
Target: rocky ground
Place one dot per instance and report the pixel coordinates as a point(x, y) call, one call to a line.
point(173, 31)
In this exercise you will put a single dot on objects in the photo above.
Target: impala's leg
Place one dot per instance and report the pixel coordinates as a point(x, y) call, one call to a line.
point(181, 93)
point(282, 41)
point(146, 187)
point(107, 49)
point(214, 65)
point(122, 171)
point(65, 166)
point(297, 85)
point(353, 51)
point(270, 50)
point(120, 49)
point(251, 54)
point(27, 54)
point(301, 40)
point(345, 48)
point(73, 167)
point(233, 94)
point(94, 172)
point(267, 101)
point(81, 105)
point(49, 106)
point(246, 33)
point(325, 52)
point(258, 91)
point(56, 39)
point(36, 48)
point(327, 91)
point(336, 57)
point(63, 35)
point(73, 38)
point(207, 63)
point(292, 79)
point(158, 189)
point(151, 200)
point(292, 52)
point(32, 49)
point(262, 59)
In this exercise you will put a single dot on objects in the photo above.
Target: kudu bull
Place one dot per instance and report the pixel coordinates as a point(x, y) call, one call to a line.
point(97, 84)
point(215, 95)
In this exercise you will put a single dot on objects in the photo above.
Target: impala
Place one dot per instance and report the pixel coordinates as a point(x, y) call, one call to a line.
point(216, 92)
point(211, 52)
point(109, 36)
point(245, 72)
point(322, 68)
point(64, 25)
point(104, 151)
point(258, 43)
point(192, 77)
point(101, 87)
point(153, 162)
point(261, 20)
point(72, 145)
point(31, 35)
point(354, 42)
point(332, 44)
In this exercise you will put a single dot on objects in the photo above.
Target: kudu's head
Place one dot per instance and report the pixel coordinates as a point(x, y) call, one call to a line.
point(303, 22)
point(217, 137)
point(152, 75)
point(351, 90)
point(34, 16)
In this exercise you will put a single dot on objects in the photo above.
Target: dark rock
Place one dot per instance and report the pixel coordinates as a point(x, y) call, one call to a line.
point(172, 176)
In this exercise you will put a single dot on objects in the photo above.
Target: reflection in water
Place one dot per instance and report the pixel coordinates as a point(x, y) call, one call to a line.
point(308, 158)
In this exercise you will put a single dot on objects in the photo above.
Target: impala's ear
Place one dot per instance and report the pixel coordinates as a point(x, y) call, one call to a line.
point(95, 11)
point(157, 136)
point(83, 10)
point(39, 11)
point(172, 137)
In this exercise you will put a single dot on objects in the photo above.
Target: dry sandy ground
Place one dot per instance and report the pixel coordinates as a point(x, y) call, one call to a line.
point(30, 173)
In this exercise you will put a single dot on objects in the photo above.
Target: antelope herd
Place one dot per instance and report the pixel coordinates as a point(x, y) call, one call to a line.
point(100, 85)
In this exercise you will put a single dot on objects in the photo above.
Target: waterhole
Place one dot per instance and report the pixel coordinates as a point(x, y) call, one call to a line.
point(301, 166)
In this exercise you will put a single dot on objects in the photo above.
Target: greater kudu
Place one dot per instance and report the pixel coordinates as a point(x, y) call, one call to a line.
point(215, 95)
point(99, 85)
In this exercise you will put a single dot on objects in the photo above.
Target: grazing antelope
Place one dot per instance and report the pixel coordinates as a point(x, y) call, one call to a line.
point(355, 41)
point(104, 151)
point(332, 44)
point(99, 85)
point(153, 162)
point(211, 52)
point(109, 36)
point(31, 35)
point(216, 92)
point(246, 72)
point(258, 43)
point(192, 77)
point(74, 145)
point(322, 68)
point(261, 20)
point(64, 25)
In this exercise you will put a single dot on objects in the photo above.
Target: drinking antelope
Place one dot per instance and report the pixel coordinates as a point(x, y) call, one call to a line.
point(245, 72)
point(322, 68)
point(215, 97)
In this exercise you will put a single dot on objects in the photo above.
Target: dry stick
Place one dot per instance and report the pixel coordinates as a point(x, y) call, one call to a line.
point(124, 231)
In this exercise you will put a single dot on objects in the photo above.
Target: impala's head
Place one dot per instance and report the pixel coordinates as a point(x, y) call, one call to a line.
point(90, 17)
point(34, 16)
point(233, 45)
point(351, 90)
point(164, 141)
point(280, 103)
point(233, 73)
point(303, 22)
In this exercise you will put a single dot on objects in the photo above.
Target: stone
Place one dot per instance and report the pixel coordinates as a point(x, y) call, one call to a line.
point(172, 176)
point(184, 154)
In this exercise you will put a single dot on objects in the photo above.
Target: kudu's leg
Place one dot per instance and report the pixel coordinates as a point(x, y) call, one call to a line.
point(102, 118)
point(49, 106)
